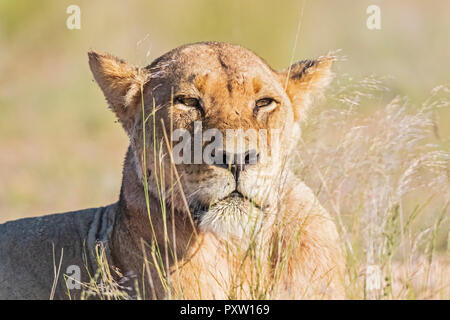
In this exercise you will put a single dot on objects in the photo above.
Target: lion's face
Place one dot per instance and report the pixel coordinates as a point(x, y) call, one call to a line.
point(221, 90)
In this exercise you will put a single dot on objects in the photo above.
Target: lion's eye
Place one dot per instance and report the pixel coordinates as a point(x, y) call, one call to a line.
point(188, 102)
point(266, 103)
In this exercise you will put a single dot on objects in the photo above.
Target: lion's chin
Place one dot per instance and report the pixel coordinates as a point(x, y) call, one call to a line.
point(234, 216)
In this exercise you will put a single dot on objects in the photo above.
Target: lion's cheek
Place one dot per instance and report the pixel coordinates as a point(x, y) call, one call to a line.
point(261, 185)
point(207, 188)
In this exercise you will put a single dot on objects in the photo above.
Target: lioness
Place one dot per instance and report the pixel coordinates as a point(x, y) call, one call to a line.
point(222, 229)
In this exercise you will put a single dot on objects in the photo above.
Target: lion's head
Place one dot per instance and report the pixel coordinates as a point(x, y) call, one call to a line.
point(216, 89)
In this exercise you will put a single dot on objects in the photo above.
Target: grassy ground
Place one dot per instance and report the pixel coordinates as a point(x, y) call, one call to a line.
point(62, 150)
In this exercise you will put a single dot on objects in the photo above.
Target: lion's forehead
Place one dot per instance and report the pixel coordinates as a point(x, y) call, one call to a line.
point(214, 60)
point(229, 79)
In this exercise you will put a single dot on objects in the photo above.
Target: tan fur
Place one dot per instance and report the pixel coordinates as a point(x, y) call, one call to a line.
point(276, 241)
point(228, 79)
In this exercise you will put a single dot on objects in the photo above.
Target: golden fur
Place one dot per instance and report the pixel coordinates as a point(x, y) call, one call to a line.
point(297, 243)
point(202, 230)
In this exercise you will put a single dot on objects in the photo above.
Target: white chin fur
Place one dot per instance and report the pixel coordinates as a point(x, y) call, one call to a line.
point(234, 218)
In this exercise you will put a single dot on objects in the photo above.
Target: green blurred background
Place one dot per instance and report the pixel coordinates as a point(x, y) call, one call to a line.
point(61, 149)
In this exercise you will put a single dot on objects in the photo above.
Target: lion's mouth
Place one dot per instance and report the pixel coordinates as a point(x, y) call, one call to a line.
point(198, 210)
point(235, 194)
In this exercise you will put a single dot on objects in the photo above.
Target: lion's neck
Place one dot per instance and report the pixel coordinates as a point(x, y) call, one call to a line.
point(139, 227)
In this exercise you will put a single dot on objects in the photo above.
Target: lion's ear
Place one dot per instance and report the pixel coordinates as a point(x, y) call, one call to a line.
point(120, 83)
point(306, 79)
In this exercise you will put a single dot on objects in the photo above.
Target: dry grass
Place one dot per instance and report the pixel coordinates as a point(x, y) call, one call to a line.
point(387, 185)
point(376, 165)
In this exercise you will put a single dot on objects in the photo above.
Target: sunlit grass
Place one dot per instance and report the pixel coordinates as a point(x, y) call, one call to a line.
point(378, 166)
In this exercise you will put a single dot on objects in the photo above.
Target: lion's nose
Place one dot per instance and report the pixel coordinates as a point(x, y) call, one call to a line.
point(237, 162)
